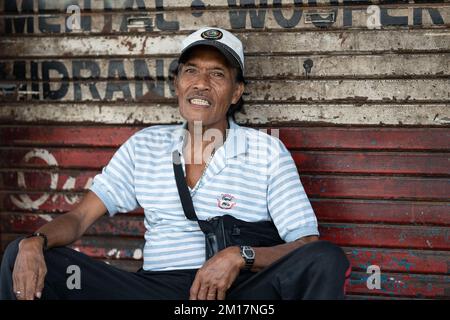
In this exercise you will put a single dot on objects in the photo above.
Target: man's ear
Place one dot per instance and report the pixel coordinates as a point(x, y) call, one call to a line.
point(175, 85)
point(238, 91)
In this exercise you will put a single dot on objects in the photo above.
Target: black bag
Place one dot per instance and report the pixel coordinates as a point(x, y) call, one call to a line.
point(224, 231)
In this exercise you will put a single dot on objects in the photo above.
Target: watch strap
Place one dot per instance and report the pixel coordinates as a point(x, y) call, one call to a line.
point(39, 234)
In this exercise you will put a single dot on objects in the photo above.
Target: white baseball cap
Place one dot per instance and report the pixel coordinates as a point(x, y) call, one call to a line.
point(223, 40)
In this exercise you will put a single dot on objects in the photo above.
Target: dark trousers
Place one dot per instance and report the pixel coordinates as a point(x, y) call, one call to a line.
point(317, 270)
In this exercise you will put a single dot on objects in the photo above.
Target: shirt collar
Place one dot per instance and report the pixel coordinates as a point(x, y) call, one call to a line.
point(235, 144)
point(178, 136)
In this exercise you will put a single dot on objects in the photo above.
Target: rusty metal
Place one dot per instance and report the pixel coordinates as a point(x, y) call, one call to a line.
point(360, 97)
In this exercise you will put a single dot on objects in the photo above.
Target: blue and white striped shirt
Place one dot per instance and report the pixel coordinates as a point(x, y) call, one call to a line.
point(252, 176)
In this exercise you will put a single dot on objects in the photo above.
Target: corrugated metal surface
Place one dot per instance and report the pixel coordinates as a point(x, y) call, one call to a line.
point(360, 95)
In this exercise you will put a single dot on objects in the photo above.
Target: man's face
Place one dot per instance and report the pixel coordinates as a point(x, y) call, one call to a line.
point(206, 86)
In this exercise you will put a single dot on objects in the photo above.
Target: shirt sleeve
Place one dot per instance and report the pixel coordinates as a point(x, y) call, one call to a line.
point(287, 201)
point(115, 185)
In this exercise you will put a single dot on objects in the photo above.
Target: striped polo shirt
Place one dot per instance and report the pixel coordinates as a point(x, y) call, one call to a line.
point(252, 177)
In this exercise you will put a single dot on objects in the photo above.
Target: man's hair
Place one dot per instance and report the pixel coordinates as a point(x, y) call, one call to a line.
point(239, 78)
point(240, 104)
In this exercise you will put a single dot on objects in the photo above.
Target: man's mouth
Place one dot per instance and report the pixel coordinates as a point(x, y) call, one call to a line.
point(199, 102)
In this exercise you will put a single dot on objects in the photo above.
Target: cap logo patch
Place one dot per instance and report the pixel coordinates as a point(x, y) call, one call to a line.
point(212, 34)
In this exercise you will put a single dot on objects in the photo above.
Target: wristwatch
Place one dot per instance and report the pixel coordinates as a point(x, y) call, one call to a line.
point(39, 234)
point(248, 254)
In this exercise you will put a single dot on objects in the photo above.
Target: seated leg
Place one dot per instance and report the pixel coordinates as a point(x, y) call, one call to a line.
point(98, 280)
point(317, 270)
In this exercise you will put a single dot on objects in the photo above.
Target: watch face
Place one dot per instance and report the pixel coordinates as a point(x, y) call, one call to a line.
point(248, 252)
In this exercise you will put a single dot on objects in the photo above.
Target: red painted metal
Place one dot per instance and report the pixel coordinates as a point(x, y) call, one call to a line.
point(40, 180)
point(366, 138)
point(88, 136)
point(85, 158)
point(410, 285)
point(56, 202)
point(399, 260)
point(116, 248)
point(121, 225)
point(372, 162)
point(382, 211)
point(386, 236)
point(382, 187)
point(373, 138)
point(381, 193)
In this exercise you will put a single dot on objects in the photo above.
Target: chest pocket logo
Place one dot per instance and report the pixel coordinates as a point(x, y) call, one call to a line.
point(225, 201)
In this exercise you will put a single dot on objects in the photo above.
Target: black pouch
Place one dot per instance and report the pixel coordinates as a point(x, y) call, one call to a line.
point(225, 231)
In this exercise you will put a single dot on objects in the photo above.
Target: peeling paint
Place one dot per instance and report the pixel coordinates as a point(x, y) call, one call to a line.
point(267, 42)
point(46, 217)
point(24, 201)
point(137, 254)
point(369, 114)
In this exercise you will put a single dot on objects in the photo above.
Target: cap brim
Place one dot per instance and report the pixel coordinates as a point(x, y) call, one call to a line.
point(229, 54)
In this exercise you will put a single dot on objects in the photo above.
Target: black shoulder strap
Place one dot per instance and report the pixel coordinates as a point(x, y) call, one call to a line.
point(183, 191)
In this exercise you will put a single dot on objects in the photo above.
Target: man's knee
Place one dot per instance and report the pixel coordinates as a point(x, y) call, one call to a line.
point(324, 255)
point(315, 270)
point(329, 257)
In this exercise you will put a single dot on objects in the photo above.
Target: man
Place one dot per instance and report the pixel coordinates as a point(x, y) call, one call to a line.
point(242, 172)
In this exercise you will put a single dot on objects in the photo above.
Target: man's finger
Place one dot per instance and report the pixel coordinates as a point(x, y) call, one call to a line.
point(220, 294)
point(202, 293)
point(16, 285)
point(212, 294)
point(19, 292)
point(19, 287)
point(40, 284)
point(30, 288)
point(194, 289)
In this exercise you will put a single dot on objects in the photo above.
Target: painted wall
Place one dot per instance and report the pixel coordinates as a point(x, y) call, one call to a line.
point(358, 89)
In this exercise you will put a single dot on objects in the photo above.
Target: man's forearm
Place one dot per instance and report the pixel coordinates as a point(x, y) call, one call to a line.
point(69, 227)
point(62, 231)
point(265, 256)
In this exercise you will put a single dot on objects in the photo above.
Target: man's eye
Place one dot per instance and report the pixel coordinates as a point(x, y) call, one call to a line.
point(218, 74)
point(189, 70)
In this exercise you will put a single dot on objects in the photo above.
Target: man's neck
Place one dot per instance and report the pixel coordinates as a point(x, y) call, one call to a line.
point(205, 140)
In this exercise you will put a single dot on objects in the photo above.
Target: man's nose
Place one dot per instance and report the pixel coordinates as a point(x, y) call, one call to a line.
point(202, 81)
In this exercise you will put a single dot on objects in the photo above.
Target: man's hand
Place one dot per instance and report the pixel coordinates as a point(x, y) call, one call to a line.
point(217, 275)
point(29, 269)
